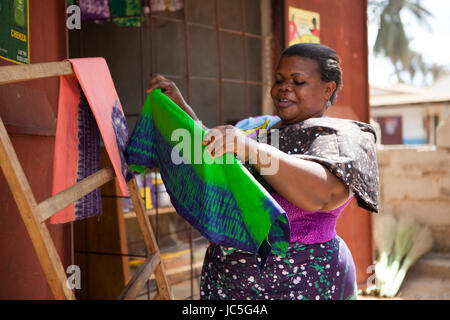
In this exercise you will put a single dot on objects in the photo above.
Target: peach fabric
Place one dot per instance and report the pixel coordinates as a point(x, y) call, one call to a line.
point(93, 75)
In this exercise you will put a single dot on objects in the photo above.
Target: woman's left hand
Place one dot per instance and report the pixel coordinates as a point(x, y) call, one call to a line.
point(227, 138)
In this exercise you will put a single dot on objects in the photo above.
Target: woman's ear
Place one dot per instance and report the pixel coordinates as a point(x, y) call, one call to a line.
point(329, 89)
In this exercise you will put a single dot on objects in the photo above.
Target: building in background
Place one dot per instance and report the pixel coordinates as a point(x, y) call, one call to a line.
point(409, 115)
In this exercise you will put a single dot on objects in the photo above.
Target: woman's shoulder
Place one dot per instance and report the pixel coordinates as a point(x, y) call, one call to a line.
point(258, 121)
point(340, 125)
point(332, 121)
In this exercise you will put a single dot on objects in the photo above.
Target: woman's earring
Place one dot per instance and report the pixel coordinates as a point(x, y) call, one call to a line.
point(328, 104)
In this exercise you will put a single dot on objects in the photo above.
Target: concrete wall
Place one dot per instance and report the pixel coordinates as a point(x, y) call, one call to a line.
point(415, 181)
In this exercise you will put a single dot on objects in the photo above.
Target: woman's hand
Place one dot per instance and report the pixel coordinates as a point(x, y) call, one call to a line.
point(227, 138)
point(169, 88)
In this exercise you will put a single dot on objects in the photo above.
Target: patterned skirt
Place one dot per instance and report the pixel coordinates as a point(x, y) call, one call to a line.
point(307, 272)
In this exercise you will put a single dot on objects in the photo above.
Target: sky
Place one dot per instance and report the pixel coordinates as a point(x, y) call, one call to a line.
point(434, 45)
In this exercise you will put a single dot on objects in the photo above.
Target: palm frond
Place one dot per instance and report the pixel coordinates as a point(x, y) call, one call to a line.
point(421, 13)
point(392, 40)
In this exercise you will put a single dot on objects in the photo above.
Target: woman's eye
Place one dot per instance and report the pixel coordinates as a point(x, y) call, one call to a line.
point(279, 81)
point(299, 82)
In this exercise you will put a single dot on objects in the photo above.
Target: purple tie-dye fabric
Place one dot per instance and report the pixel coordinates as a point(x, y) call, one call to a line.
point(95, 10)
point(88, 159)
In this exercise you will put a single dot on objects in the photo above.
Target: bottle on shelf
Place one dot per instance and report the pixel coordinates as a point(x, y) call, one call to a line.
point(160, 196)
point(146, 190)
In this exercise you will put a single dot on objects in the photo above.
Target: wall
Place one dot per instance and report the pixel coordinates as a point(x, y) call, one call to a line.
point(28, 110)
point(415, 181)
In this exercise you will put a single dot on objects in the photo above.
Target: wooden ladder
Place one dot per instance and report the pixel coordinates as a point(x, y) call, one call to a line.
point(35, 214)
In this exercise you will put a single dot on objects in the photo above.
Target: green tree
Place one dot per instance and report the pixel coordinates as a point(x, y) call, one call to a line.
point(392, 40)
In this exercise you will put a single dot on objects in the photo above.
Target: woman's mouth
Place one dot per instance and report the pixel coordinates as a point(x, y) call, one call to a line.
point(284, 103)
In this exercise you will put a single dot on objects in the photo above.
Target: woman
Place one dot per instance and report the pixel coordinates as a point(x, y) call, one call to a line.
point(322, 163)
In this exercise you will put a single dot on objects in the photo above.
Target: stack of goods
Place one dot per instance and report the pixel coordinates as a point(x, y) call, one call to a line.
point(152, 190)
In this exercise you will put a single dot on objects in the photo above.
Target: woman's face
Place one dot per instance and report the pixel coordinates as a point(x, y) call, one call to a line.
point(298, 91)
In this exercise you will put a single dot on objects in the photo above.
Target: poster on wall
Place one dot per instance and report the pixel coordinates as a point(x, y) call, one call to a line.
point(304, 26)
point(14, 31)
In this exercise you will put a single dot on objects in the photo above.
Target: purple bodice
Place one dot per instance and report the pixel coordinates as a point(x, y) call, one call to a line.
point(310, 226)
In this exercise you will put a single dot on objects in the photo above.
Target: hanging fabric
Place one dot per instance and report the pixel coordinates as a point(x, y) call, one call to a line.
point(88, 109)
point(96, 11)
point(126, 12)
point(218, 197)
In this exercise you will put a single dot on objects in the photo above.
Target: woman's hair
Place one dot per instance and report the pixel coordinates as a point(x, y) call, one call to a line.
point(327, 59)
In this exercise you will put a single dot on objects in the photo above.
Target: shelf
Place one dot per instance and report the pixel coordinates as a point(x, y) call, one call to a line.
point(177, 264)
point(150, 212)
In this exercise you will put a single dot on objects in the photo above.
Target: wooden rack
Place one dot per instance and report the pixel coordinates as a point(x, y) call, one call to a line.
point(150, 212)
point(35, 214)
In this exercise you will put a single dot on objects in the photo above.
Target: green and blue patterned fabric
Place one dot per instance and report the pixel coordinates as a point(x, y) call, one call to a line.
point(217, 196)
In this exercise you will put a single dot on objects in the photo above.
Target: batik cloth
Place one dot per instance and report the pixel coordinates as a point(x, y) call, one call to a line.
point(77, 150)
point(217, 196)
point(88, 109)
point(314, 267)
point(95, 10)
point(322, 271)
point(126, 12)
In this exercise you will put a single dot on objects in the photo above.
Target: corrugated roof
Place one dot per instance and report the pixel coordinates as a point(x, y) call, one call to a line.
point(402, 94)
point(407, 99)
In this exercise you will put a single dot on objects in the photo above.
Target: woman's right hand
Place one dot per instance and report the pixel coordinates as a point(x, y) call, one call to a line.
point(169, 88)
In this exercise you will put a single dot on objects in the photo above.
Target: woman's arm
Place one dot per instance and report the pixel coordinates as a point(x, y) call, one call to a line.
point(170, 89)
point(306, 184)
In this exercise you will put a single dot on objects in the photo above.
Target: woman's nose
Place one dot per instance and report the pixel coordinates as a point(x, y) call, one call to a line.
point(286, 86)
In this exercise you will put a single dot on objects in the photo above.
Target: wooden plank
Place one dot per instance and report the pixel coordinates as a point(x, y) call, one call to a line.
point(140, 277)
point(149, 239)
point(59, 201)
point(13, 129)
point(150, 212)
point(18, 73)
point(157, 296)
point(174, 274)
point(40, 237)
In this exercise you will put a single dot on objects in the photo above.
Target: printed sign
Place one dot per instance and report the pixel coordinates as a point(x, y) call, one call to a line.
point(304, 26)
point(14, 31)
